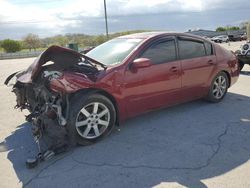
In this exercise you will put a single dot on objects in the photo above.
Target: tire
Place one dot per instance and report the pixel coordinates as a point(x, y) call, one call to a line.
point(91, 117)
point(218, 88)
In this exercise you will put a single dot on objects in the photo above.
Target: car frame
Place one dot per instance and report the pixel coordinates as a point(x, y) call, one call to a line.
point(78, 99)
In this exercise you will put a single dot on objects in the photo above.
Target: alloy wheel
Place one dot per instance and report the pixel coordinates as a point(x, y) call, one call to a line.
point(219, 87)
point(92, 120)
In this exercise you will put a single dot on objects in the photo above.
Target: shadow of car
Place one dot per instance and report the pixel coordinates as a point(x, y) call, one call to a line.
point(183, 144)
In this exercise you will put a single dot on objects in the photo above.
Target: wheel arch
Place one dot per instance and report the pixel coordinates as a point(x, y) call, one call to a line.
point(101, 92)
point(228, 76)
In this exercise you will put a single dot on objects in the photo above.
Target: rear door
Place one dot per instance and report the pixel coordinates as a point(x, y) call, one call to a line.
point(198, 63)
point(158, 85)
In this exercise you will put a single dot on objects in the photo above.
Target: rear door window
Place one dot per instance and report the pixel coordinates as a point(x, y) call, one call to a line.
point(191, 49)
point(209, 48)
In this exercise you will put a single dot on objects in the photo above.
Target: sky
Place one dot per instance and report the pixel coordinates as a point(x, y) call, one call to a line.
point(52, 17)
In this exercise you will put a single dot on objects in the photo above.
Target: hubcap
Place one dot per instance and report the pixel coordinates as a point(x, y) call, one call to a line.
point(92, 120)
point(219, 87)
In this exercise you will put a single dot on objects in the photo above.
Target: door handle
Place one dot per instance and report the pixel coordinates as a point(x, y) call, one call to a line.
point(173, 69)
point(210, 62)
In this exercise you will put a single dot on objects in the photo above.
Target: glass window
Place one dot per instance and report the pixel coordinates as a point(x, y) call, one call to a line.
point(161, 52)
point(114, 51)
point(209, 48)
point(191, 49)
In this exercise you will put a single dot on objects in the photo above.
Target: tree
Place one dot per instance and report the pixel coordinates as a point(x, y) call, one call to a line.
point(227, 28)
point(31, 41)
point(100, 39)
point(220, 29)
point(11, 45)
point(233, 28)
point(61, 40)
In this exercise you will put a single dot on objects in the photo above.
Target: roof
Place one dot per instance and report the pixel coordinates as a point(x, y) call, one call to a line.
point(147, 35)
point(143, 35)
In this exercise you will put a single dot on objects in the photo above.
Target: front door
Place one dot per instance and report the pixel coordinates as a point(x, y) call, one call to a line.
point(158, 85)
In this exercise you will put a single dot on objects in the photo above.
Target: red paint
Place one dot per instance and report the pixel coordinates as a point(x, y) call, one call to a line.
point(141, 89)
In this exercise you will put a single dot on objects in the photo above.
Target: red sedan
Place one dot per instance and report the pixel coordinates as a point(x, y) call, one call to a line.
point(75, 98)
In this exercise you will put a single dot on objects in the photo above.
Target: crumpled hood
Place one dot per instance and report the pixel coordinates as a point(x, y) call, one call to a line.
point(62, 58)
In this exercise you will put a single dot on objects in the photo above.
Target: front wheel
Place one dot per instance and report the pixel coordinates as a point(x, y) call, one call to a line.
point(91, 118)
point(218, 88)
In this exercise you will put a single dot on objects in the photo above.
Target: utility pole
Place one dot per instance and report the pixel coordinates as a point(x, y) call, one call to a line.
point(106, 19)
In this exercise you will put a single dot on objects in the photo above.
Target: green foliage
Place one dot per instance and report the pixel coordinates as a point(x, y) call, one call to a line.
point(11, 45)
point(81, 39)
point(60, 40)
point(233, 28)
point(227, 28)
point(31, 41)
point(100, 39)
point(220, 29)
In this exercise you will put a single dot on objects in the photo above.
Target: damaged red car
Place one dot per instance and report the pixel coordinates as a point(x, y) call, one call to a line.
point(75, 98)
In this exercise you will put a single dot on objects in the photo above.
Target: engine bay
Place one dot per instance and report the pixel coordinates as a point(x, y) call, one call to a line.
point(49, 109)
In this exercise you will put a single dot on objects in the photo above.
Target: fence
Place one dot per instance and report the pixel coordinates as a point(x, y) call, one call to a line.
point(19, 55)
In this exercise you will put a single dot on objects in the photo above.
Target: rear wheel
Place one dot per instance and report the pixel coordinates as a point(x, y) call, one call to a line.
point(218, 88)
point(91, 118)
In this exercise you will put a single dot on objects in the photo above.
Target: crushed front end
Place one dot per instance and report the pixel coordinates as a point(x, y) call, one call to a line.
point(44, 89)
point(47, 111)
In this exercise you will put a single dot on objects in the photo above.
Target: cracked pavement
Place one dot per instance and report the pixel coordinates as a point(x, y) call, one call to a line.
point(196, 144)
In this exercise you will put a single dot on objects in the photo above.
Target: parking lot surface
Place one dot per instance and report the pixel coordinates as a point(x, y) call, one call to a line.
point(197, 144)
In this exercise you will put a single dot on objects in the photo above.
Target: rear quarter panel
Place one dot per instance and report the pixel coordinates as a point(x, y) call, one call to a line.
point(227, 61)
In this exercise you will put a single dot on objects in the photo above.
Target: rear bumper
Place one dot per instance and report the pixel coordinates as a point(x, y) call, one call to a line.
point(235, 73)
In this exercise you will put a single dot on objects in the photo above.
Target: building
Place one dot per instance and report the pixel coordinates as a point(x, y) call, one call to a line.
point(210, 33)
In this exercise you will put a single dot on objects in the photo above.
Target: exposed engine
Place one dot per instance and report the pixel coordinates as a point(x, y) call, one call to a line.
point(49, 109)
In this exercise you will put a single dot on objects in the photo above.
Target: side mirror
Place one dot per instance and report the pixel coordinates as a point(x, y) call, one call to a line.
point(140, 63)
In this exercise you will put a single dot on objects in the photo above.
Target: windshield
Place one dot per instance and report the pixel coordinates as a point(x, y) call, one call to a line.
point(113, 51)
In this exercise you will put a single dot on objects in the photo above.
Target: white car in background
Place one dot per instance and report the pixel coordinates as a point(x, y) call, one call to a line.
point(220, 39)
